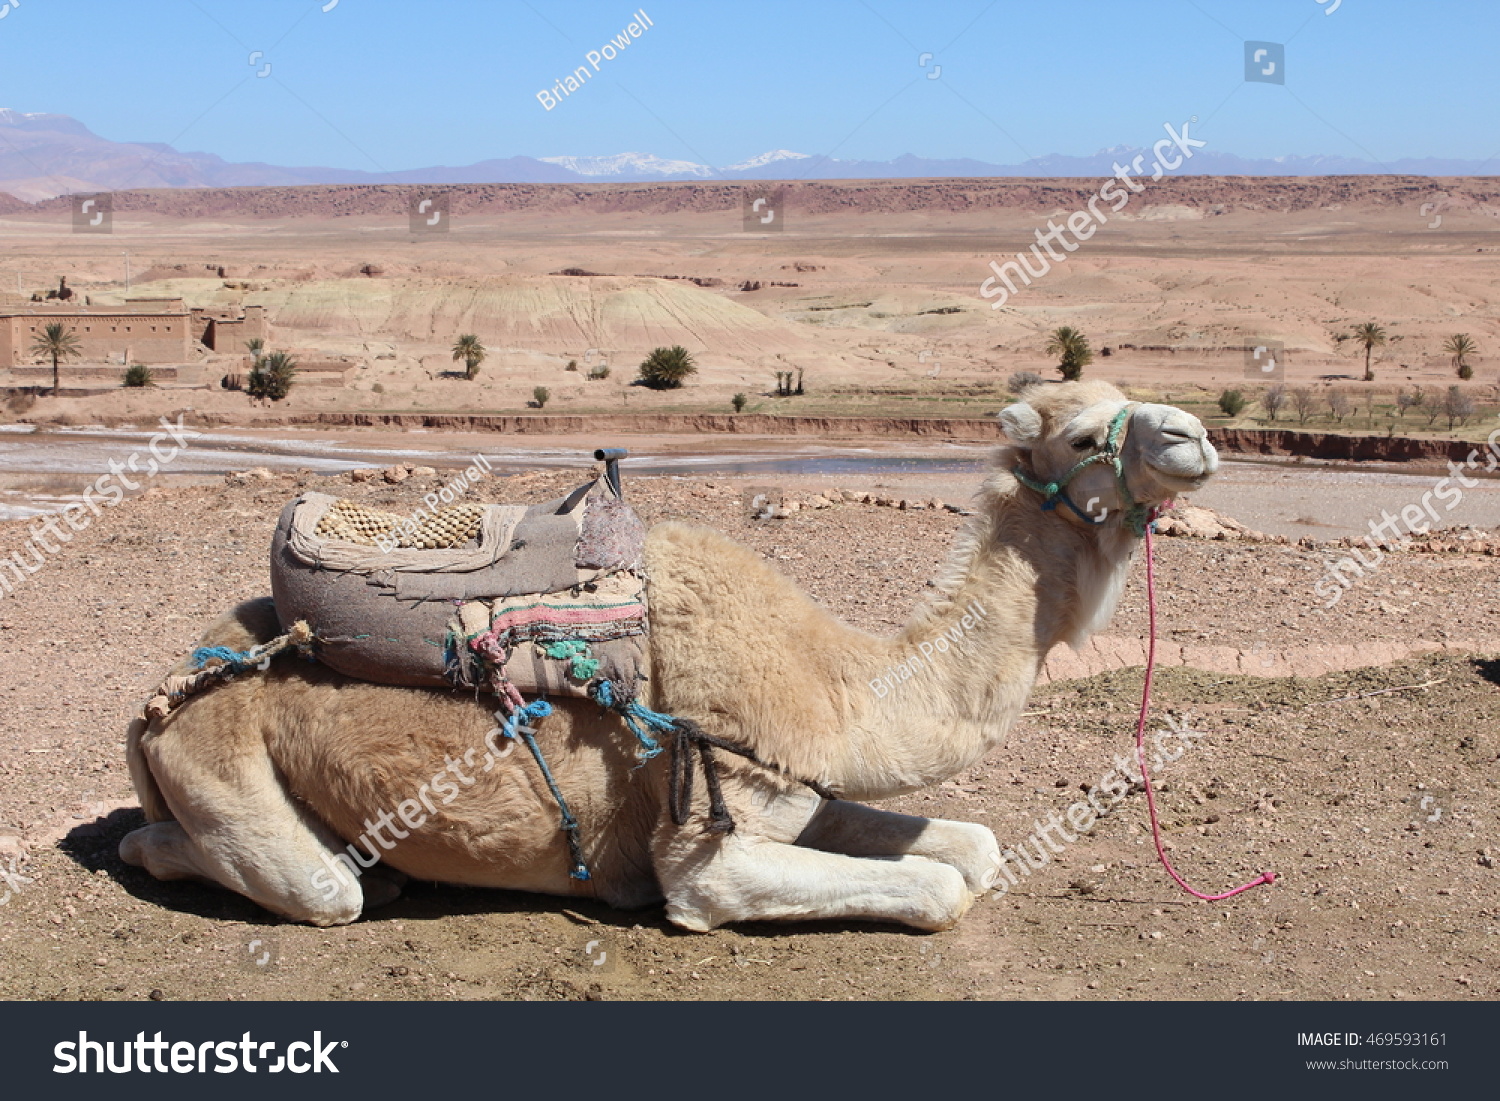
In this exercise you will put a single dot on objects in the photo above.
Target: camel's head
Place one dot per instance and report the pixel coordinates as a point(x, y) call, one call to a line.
point(1055, 429)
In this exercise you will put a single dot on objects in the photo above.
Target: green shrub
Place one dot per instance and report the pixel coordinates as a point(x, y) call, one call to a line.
point(738, 401)
point(599, 372)
point(1231, 403)
point(138, 375)
point(540, 396)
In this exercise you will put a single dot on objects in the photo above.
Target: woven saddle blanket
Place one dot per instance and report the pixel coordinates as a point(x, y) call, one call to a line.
point(547, 598)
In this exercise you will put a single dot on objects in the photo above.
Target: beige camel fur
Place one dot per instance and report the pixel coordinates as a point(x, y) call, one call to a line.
point(259, 784)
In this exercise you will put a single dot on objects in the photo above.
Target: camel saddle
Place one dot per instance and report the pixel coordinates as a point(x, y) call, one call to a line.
point(545, 599)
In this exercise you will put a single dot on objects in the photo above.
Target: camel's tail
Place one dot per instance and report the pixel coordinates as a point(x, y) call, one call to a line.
point(146, 787)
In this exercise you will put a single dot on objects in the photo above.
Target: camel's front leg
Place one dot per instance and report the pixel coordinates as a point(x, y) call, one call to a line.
point(856, 830)
point(710, 881)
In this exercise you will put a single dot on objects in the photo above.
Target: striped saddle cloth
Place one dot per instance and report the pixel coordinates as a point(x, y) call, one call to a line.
point(545, 599)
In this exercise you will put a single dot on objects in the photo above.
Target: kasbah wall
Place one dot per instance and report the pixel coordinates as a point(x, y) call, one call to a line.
point(144, 330)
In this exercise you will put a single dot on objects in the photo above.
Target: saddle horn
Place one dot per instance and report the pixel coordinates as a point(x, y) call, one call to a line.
point(610, 457)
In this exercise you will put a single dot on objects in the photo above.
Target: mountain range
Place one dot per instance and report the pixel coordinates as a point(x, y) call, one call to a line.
point(44, 155)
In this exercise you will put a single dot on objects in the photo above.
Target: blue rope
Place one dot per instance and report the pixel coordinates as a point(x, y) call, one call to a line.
point(634, 714)
point(237, 658)
point(519, 722)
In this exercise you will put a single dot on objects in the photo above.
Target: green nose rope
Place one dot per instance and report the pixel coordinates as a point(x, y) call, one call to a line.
point(1137, 516)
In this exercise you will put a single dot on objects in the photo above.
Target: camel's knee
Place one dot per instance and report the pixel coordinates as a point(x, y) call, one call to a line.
point(972, 850)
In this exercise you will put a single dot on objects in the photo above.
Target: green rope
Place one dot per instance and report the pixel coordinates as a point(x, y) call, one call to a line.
point(585, 665)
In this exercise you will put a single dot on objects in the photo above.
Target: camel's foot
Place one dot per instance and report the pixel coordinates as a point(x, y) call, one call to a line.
point(382, 886)
point(291, 887)
point(711, 882)
point(856, 830)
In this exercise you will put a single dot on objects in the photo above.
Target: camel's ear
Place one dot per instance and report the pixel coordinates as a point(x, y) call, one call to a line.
point(1021, 424)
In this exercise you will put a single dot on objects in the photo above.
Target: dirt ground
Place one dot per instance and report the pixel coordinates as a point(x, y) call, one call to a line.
point(1376, 809)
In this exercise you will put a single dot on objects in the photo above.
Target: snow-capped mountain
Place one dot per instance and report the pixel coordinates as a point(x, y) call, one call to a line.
point(42, 155)
point(773, 157)
point(632, 166)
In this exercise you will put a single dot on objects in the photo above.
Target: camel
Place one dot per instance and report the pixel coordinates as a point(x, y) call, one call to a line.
point(269, 784)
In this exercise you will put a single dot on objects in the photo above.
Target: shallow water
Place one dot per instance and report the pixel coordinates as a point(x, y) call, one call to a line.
point(43, 470)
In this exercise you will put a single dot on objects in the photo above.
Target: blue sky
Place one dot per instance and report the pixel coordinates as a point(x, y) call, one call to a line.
point(390, 84)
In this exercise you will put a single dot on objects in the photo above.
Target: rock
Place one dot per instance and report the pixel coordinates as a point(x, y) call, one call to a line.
point(819, 501)
point(12, 843)
point(935, 504)
point(423, 471)
point(886, 502)
point(361, 474)
point(395, 475)
point(951, 507)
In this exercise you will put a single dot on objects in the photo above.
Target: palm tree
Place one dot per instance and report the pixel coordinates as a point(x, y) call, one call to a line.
point(255, 346)
point(1461, 347)
point(59, 342)
point(272, 375)
point(1073, 350)
point(1371, 336)
point(667, 368)
point(468, 348)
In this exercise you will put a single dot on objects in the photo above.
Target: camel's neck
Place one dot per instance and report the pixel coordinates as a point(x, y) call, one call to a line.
point(952, 683)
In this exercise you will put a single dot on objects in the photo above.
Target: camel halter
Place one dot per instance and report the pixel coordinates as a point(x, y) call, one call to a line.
point(1137, 516)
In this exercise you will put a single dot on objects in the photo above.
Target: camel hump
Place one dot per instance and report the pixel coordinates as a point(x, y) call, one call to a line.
point(246, 625)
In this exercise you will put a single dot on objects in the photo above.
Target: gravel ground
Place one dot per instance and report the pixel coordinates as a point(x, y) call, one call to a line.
point(1378, 898)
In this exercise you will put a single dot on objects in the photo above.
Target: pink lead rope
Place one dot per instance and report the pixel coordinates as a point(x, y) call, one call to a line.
point(1140, 742)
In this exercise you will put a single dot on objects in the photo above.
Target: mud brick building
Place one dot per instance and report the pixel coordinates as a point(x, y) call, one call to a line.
point(143, 330)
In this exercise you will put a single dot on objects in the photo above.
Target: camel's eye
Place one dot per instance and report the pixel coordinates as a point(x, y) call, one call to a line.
point(1087, 443)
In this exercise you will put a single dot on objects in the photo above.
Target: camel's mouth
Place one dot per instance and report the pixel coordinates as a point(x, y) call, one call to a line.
point(1179, 481)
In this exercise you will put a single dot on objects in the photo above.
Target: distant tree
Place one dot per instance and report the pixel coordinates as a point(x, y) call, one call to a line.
point(470, 351)
point(601, 371)
point(1369, 336)
point(1303, 402)
point(739, 401)
point(255, 346)
point(57, 342)
point(1405, 399)
point(572, 365)
point(1231, 403)
point(1023, 380)
point(1339, 405)
point(1460, 346)
point(540, 396)
point(1072, 349)
point(1274, 400)
point(667, 368)
point(272, 376)
point(1457, 406)
point(137, 375)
